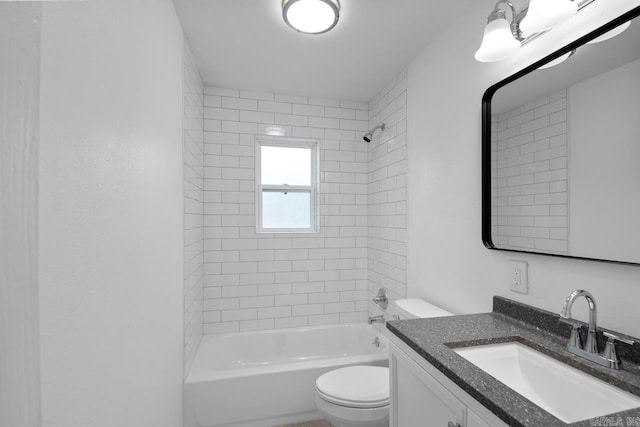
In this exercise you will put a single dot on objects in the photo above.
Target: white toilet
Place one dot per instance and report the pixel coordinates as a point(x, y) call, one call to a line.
point(358, 396)
point(354, 396)
point(414, 308)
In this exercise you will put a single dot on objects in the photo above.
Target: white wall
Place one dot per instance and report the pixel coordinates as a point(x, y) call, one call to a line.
point(447, 262)
point(256, 281)
point(193, 155)
point(19, 71)
point(604, 165)
point(110, 246)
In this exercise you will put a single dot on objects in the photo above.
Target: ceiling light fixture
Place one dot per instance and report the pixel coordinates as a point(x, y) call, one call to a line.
point(503, 37)
point(311, 16)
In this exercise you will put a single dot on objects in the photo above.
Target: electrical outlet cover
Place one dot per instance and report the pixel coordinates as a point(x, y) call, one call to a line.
point(518, 277)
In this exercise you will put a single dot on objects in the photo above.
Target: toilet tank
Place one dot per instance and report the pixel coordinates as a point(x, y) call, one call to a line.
point(415, 308)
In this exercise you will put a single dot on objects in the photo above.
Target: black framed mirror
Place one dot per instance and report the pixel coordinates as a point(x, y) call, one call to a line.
point(561, 151)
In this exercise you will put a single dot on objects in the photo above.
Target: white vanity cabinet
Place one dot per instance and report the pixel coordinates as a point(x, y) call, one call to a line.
point(423, 396)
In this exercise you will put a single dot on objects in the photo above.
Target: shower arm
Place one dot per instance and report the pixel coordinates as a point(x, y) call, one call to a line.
point(381, 127)
point(369, 135)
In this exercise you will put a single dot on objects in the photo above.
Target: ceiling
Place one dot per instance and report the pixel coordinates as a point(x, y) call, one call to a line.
point(245, 44)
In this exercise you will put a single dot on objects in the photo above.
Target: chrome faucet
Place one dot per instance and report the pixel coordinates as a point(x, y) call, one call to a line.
point(381, 319)
point(592, 346)
point(375, 319)
point(609, 357)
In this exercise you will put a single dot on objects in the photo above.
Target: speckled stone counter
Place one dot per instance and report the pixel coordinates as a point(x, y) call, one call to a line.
point(434, 338)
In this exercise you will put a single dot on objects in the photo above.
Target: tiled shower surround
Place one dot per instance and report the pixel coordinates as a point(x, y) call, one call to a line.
point(193, 170)
point(387, 192)
point(265, 280)
point(256, 281)
point(529, 161)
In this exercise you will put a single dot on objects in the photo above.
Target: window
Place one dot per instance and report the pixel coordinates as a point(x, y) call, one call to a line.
point(286, 185)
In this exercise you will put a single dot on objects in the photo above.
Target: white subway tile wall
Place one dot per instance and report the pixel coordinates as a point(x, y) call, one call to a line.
point(387, 190)
point(193, 157)
point(264, 281)
point(529, 176)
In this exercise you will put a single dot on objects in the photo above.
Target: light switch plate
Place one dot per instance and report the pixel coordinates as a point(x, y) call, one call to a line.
point(518, 278)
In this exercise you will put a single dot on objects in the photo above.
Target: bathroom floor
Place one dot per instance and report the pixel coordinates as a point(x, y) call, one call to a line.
point(316, 423)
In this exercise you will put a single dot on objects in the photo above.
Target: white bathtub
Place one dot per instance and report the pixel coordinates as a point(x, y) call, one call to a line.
point(268, 378)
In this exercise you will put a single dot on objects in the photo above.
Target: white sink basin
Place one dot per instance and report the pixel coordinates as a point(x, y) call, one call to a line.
point(565, 392)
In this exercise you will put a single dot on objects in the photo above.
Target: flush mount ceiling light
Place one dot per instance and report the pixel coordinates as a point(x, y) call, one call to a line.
point(311, 16)
point(503, 37)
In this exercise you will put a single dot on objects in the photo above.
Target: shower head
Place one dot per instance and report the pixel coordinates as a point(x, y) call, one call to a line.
point(367, 136)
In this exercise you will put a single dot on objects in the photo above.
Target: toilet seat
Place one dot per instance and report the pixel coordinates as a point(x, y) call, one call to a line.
point(355, 387)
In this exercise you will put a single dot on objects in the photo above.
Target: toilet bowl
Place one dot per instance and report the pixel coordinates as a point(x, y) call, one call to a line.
point(358, 396)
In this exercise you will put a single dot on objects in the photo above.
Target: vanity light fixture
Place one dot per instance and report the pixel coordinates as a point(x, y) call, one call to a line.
point(503, 37)
point(500, 38)
point(543, 15)
point(311, 16)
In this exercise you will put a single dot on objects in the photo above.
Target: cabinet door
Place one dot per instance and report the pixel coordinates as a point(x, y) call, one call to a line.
point(474, 420)
point(417, 399)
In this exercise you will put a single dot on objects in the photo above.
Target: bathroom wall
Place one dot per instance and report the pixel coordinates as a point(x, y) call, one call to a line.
point(447, 262)
point(19, 347)
point(387, 191)
point(529, 176)
point(193, 175)
point(264, 281)
point(111, 214)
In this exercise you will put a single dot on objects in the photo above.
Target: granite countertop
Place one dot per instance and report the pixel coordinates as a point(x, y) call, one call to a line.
point(434, 338)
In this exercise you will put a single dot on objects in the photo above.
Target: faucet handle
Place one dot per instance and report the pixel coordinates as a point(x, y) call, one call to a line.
point(574, 338)
point(610, 353)
point(381, 299)
point(613, 337)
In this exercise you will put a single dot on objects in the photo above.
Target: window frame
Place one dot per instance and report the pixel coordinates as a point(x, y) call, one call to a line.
point(313, 188)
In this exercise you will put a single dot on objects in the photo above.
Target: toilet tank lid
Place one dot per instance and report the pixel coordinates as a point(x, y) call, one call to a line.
point(421, 308)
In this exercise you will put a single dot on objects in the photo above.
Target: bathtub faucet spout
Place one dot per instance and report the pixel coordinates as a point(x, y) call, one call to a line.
point(375, 319)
